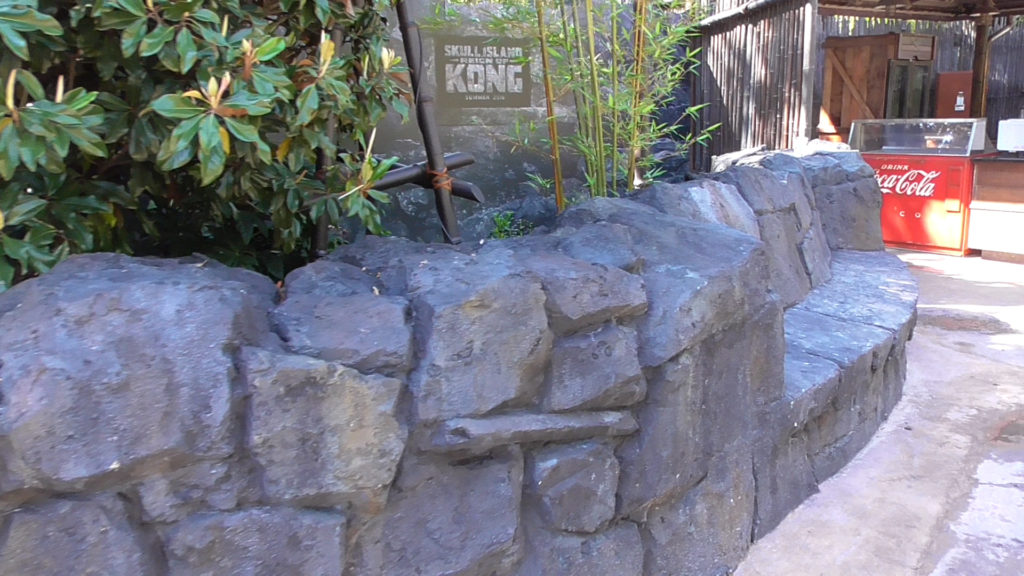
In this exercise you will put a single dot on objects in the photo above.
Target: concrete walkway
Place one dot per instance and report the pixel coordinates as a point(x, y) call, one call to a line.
point(940, 489)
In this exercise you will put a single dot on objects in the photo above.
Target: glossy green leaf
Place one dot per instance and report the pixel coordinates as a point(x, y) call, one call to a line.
point(79, 99)
point(242, 131)
point(112, 102)
point(177, 150)
point(28, 20)
point(116, 20)
point(132, 37)
point(272, 82)
point(87, 142)
point(188, 52)
point(212, 155)
point(252, 104)
point(24, 210)
point(86, 204)
point(270, 49)
point(32, 149)
point(206, 15)
point(6, 273)
point(31, 84)
point(322, 9)
point(213, 36)
point(308, 103)
point(136, 7)
point(155, 40)
point(174, 154)
point(175, 106)
point(15, 41)
point(26, 253)
point(263, 151)
point(177, 11)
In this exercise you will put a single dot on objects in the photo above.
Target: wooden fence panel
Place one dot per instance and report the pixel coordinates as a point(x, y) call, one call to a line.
point(752, 78)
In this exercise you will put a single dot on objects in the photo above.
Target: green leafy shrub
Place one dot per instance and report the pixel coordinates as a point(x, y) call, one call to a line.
point(168, 127)
point(506, 225)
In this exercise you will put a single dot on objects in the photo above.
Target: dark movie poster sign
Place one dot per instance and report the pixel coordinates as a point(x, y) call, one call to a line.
point(482, 72)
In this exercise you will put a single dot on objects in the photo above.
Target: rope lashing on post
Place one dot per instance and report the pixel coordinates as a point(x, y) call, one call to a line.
point(441, 179)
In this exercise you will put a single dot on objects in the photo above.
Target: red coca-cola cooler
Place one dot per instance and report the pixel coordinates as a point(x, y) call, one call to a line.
point(925, 168)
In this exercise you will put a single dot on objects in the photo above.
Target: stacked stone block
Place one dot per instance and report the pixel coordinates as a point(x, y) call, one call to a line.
point(642, 391)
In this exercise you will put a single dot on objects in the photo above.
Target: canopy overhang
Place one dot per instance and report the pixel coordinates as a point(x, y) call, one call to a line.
point(923, 9)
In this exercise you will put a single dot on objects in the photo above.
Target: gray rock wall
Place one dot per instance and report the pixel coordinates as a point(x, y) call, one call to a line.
point(642, 391)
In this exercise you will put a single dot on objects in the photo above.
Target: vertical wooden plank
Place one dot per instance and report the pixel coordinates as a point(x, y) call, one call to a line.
point(787, 80)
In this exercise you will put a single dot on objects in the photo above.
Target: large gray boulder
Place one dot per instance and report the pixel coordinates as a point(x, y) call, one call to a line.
point(601, 243)
point(329, 278)
point(222, 485)
point(257, 542)
point(698, 277)
point(708, 530)
point(704, 201)
point(617, 551)
point(848, 199)
point(92, 537)
point(778, 207)
point(581, 295)
point(454, 520)
point(479, 323)
point(595, 370)
point(575, 485)
point(697, 405)
point(368, 332)
point(790, 171)
point(323, 434)
point(336, 312)
point(93, 384)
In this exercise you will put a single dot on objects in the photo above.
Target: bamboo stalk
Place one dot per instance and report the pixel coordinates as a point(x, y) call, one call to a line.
point(550, 101)
point(612, 97)
point(574, 78)
point(639, 37)
point(601, 172)
point(585, 124)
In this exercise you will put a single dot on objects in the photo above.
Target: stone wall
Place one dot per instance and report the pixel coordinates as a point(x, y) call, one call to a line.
point(642, 391)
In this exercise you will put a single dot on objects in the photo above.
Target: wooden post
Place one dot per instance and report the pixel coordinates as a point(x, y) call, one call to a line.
point(808, 120)
point(979, 83)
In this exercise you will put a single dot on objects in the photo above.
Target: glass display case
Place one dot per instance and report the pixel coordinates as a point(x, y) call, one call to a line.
point(921, 136)
point(925, 170)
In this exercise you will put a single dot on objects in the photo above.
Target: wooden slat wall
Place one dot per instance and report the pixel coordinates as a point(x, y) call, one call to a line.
point(751, 76)
point(955, 48)
point(753, 68)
